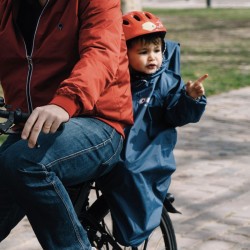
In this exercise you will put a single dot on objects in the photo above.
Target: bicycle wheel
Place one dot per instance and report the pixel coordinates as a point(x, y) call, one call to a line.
point(163, 237)
point(168, 231)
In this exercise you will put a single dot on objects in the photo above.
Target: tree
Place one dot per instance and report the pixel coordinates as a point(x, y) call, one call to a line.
point(130, 5)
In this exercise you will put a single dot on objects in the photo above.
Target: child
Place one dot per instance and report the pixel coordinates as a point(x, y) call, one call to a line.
point(145, 42)
point(136, 189)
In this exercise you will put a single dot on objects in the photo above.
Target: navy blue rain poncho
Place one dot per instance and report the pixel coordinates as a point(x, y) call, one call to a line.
point(136, 188)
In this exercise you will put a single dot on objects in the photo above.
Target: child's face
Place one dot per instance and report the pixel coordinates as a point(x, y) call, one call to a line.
point(145, 57)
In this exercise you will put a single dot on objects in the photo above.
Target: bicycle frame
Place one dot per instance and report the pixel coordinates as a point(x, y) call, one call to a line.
point(91, 217)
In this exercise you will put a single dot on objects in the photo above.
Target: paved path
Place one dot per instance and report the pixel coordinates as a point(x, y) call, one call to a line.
point(211, 184)
point(212, 181)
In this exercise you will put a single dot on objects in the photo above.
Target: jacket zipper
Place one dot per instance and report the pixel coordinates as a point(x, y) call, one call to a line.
point(30, 70)
point(30, 65)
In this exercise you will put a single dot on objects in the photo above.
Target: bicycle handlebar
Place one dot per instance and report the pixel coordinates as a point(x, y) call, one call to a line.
point(19, 116)
point(13, 117)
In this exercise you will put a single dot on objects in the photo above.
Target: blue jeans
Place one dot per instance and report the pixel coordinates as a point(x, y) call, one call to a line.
point(32, 181)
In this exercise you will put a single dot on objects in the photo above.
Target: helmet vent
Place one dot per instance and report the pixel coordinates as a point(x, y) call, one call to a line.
point(125, 22)
point(148, 16)
point(137, 18)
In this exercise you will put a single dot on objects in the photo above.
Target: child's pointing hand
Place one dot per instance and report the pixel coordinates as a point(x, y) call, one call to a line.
point(196, 89)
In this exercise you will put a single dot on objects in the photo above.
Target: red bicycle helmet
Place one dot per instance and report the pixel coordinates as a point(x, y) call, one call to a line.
point(138, 23)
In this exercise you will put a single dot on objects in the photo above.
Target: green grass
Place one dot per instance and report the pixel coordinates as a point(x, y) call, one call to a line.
point(213, 41)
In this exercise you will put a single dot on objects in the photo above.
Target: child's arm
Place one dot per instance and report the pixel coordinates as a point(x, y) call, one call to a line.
point(196, 89)
point(187, 104)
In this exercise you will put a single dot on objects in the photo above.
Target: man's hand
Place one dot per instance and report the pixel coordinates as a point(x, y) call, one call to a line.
point(196, 89)
point(46, 119)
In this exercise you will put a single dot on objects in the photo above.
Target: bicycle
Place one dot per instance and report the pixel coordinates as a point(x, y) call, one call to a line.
point(92, 208)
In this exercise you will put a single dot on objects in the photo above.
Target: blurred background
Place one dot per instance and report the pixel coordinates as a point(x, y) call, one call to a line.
point(196, 3)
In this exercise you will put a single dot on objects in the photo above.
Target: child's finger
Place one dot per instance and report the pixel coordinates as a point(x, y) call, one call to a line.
point(188, 84)
point(201, 79)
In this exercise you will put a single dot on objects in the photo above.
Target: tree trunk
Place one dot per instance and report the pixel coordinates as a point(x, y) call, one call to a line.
point(130, 5)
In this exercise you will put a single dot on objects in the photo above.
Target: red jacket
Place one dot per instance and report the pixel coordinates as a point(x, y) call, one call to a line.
point(78, 61)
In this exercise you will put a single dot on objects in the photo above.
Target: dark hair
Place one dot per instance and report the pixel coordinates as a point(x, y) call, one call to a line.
point(146, 39)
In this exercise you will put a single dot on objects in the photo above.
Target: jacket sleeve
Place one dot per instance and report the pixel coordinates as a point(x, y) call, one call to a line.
point(100, 31)
point(184, 109)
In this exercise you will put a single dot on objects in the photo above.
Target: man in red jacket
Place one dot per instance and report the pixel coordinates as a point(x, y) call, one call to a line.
point(62, 62)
